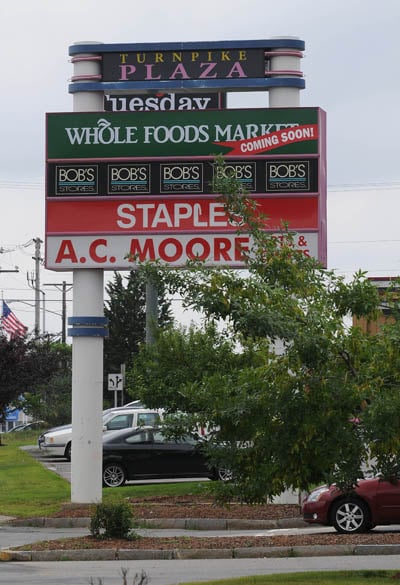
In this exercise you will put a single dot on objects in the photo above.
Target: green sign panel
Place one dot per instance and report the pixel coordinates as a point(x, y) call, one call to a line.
point(244, 132)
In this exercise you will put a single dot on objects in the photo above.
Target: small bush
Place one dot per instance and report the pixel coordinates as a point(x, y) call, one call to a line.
point(111, 521)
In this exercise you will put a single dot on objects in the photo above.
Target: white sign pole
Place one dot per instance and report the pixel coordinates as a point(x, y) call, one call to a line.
point(282, 97)
point(87, 347)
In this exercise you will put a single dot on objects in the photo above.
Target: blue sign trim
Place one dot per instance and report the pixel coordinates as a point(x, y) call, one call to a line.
point(87, 321)
point(191, 46)
point(258, 84)
point(88, 326)
point(88, 332)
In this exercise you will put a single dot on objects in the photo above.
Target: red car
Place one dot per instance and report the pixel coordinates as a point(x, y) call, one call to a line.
point(373, 502)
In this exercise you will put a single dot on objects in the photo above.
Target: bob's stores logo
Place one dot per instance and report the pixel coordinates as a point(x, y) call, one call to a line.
point(76, 180)
point(244, 173)
point(288, 175)
point(182, 177)
point(128, 178)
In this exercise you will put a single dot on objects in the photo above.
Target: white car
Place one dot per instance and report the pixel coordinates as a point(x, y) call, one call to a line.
point(57, 441)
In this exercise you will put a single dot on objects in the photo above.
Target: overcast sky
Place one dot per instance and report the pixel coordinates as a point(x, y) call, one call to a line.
point(351, 69)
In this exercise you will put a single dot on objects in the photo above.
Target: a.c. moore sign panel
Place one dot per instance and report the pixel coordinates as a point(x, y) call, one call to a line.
point(116, 196)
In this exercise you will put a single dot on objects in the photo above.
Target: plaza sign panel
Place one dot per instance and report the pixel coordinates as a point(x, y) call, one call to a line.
point(116, 197)
point(177, 64)
point(194, 66)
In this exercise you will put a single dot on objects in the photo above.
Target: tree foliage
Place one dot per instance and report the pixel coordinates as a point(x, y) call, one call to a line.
point(182, 358)
point(126, 312)
point(287, 395)
point(24, 365)
point(50, 400)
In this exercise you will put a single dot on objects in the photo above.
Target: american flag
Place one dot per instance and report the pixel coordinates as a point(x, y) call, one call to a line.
point(10, 323)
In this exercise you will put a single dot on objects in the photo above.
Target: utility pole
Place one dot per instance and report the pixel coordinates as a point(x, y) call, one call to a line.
point(64, 291)
point(38, 259)
point(34, 282)
point(151, 310)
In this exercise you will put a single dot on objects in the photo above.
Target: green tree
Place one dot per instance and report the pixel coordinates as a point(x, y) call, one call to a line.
point(183, 358)
point(24, 364)
point(126, 311)
point(285, 412)
point(378, 369)
point(50, 400)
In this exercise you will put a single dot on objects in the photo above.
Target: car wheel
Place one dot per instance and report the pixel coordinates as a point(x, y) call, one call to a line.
point(67, 452)
point(114, 475)
point(350, 516)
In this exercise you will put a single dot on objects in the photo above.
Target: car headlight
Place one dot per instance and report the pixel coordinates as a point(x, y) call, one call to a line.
point(315, 495)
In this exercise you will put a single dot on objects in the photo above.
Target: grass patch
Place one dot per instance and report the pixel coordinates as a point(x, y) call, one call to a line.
point(28, 489)
point(314, 578)
point(199, 488)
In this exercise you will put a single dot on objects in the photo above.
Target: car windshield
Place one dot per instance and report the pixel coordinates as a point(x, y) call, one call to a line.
point(119, 421)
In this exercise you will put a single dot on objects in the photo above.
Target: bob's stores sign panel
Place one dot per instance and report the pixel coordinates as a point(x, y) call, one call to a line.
point(116, 197)
point(195, 177)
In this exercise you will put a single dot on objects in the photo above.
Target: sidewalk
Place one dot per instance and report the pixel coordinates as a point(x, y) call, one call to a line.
point(17, 533)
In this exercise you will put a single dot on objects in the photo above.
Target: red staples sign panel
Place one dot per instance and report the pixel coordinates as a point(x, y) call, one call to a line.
point(172, 215)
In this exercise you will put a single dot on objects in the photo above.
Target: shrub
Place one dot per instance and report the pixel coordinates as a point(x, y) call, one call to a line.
point(111, 521)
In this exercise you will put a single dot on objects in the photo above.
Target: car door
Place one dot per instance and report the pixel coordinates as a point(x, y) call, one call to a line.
point(388, 502)
point(177, 457)
point(134, 451)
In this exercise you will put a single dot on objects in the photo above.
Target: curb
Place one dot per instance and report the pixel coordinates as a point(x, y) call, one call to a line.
point(180, 523)
point(186, 554)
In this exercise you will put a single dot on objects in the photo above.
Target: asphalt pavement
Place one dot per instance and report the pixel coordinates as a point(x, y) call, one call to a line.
point(161, 572)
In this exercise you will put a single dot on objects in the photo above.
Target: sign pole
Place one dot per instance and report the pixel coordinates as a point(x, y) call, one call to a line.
point(87, 347)
point(281, 97)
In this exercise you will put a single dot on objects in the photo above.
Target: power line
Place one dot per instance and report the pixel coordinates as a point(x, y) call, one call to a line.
point(34, 184)
point(21, 184)
point(363, 242)
point(62, 286)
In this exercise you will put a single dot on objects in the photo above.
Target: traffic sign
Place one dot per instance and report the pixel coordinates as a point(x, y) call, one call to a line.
point(115, 382)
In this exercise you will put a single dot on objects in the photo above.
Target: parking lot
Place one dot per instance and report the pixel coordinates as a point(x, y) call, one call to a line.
point(63, 467)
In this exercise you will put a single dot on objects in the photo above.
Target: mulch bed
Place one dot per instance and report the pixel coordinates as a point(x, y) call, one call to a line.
point(195, 507)
point(225, 542)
